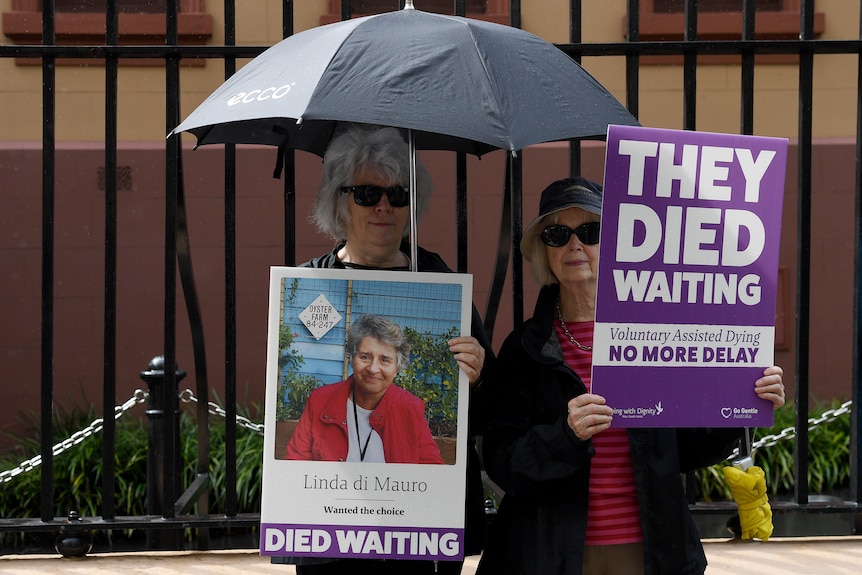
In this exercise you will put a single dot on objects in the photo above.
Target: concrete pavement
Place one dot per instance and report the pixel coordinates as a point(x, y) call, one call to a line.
point(780, 556)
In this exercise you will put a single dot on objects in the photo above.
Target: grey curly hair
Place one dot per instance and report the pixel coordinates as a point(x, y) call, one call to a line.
point(381, 329)
point(354, 148)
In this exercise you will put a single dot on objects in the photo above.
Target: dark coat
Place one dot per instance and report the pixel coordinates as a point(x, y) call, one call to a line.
point(533, 455)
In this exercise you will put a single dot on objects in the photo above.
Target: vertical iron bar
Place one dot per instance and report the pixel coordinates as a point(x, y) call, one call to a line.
point(290, 157)
point(803, 298)
point(633, 36)
point(746, 119)
point(517, 184)
point(173, 150)
point(515, 13)
point(230, 503)
point(504, 243)
point(747, 85)
point(195, 317)
point(287, 23)
point(461, 230)
point(575, 37)
point(109, 374)
point(48, 169)
point(856, 415)
point(411, 185)
point(461, 212)
point(690, 68)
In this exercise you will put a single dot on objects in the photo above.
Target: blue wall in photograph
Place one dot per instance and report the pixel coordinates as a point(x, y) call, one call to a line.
point(434, 308)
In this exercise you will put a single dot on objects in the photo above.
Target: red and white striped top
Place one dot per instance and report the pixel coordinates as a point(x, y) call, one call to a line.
point(613, 515)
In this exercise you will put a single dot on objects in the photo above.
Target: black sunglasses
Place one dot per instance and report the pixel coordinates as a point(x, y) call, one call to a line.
point(367, 196)
point(558, 235)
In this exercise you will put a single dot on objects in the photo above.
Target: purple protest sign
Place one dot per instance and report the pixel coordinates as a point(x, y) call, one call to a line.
point(685, 311)
point(362, 541)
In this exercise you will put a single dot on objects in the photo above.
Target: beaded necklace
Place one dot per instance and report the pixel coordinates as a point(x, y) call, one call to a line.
point(578, 344)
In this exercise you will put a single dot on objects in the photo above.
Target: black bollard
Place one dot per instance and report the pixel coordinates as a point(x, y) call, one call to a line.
point(73, 541)
point(163, 450)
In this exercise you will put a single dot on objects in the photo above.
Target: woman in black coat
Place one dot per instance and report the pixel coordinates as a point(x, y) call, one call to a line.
point(582, 497)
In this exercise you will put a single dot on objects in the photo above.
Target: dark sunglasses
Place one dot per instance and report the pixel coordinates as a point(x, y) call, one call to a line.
point(558, 235)
point(367, 196)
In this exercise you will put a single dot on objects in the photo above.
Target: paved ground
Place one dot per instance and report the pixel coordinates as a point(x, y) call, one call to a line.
point(808, 555)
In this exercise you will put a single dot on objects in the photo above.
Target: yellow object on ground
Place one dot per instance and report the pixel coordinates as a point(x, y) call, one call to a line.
point(749, 491)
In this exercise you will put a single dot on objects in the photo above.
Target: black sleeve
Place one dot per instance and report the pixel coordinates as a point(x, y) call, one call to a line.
point(700, 448)
point(528, 447)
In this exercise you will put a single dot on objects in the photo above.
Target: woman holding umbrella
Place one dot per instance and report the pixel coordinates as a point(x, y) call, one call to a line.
point(581, 496)
point(363, 204)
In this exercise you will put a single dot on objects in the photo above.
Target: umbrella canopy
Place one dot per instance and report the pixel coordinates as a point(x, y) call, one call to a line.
point(455, 83)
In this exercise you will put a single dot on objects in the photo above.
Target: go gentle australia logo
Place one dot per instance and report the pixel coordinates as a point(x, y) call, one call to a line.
point(738, 412)
point(270, 93)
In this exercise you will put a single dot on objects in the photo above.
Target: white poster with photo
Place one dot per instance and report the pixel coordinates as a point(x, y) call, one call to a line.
point(365, 439)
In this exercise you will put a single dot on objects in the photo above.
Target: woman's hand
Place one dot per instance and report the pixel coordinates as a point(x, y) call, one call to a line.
point(588, 415)
point(469, 355)
point(771, 387)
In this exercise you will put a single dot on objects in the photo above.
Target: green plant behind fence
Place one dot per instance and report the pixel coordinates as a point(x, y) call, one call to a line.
point(828, 459)
point(78, 471)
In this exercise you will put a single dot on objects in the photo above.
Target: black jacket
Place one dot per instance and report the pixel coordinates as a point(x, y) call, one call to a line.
point(533, 455)
point(474, 525)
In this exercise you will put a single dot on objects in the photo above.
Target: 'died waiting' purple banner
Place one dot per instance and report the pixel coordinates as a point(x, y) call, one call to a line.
point(685, 313)
point(365, 541)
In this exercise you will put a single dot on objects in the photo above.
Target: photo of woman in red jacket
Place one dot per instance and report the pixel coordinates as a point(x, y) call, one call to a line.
point(365, 417)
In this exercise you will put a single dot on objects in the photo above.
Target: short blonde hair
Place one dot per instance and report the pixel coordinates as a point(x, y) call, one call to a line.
point(535, 251)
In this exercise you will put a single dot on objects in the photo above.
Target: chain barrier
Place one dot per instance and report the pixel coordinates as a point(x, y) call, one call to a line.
point(187, 396)
point(766, 441)
point(95, 427)
point(790, 432)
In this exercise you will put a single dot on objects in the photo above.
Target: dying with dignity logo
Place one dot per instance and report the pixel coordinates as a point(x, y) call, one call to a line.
point(638, 412)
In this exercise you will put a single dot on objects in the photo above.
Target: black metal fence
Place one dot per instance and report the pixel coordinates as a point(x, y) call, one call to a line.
point(169, 503)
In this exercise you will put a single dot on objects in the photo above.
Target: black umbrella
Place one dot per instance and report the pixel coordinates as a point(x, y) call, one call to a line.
point(452, 83)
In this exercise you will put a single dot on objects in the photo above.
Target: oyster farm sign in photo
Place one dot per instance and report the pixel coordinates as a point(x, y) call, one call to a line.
point(688, 268)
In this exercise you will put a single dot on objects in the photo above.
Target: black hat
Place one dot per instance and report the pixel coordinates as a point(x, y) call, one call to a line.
point(561, 195)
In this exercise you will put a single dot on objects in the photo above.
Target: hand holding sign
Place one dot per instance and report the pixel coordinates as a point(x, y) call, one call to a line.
point(588, 415)
point(771, 386)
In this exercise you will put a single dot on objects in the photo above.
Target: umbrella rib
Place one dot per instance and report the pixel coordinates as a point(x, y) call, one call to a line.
point(487, 75)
